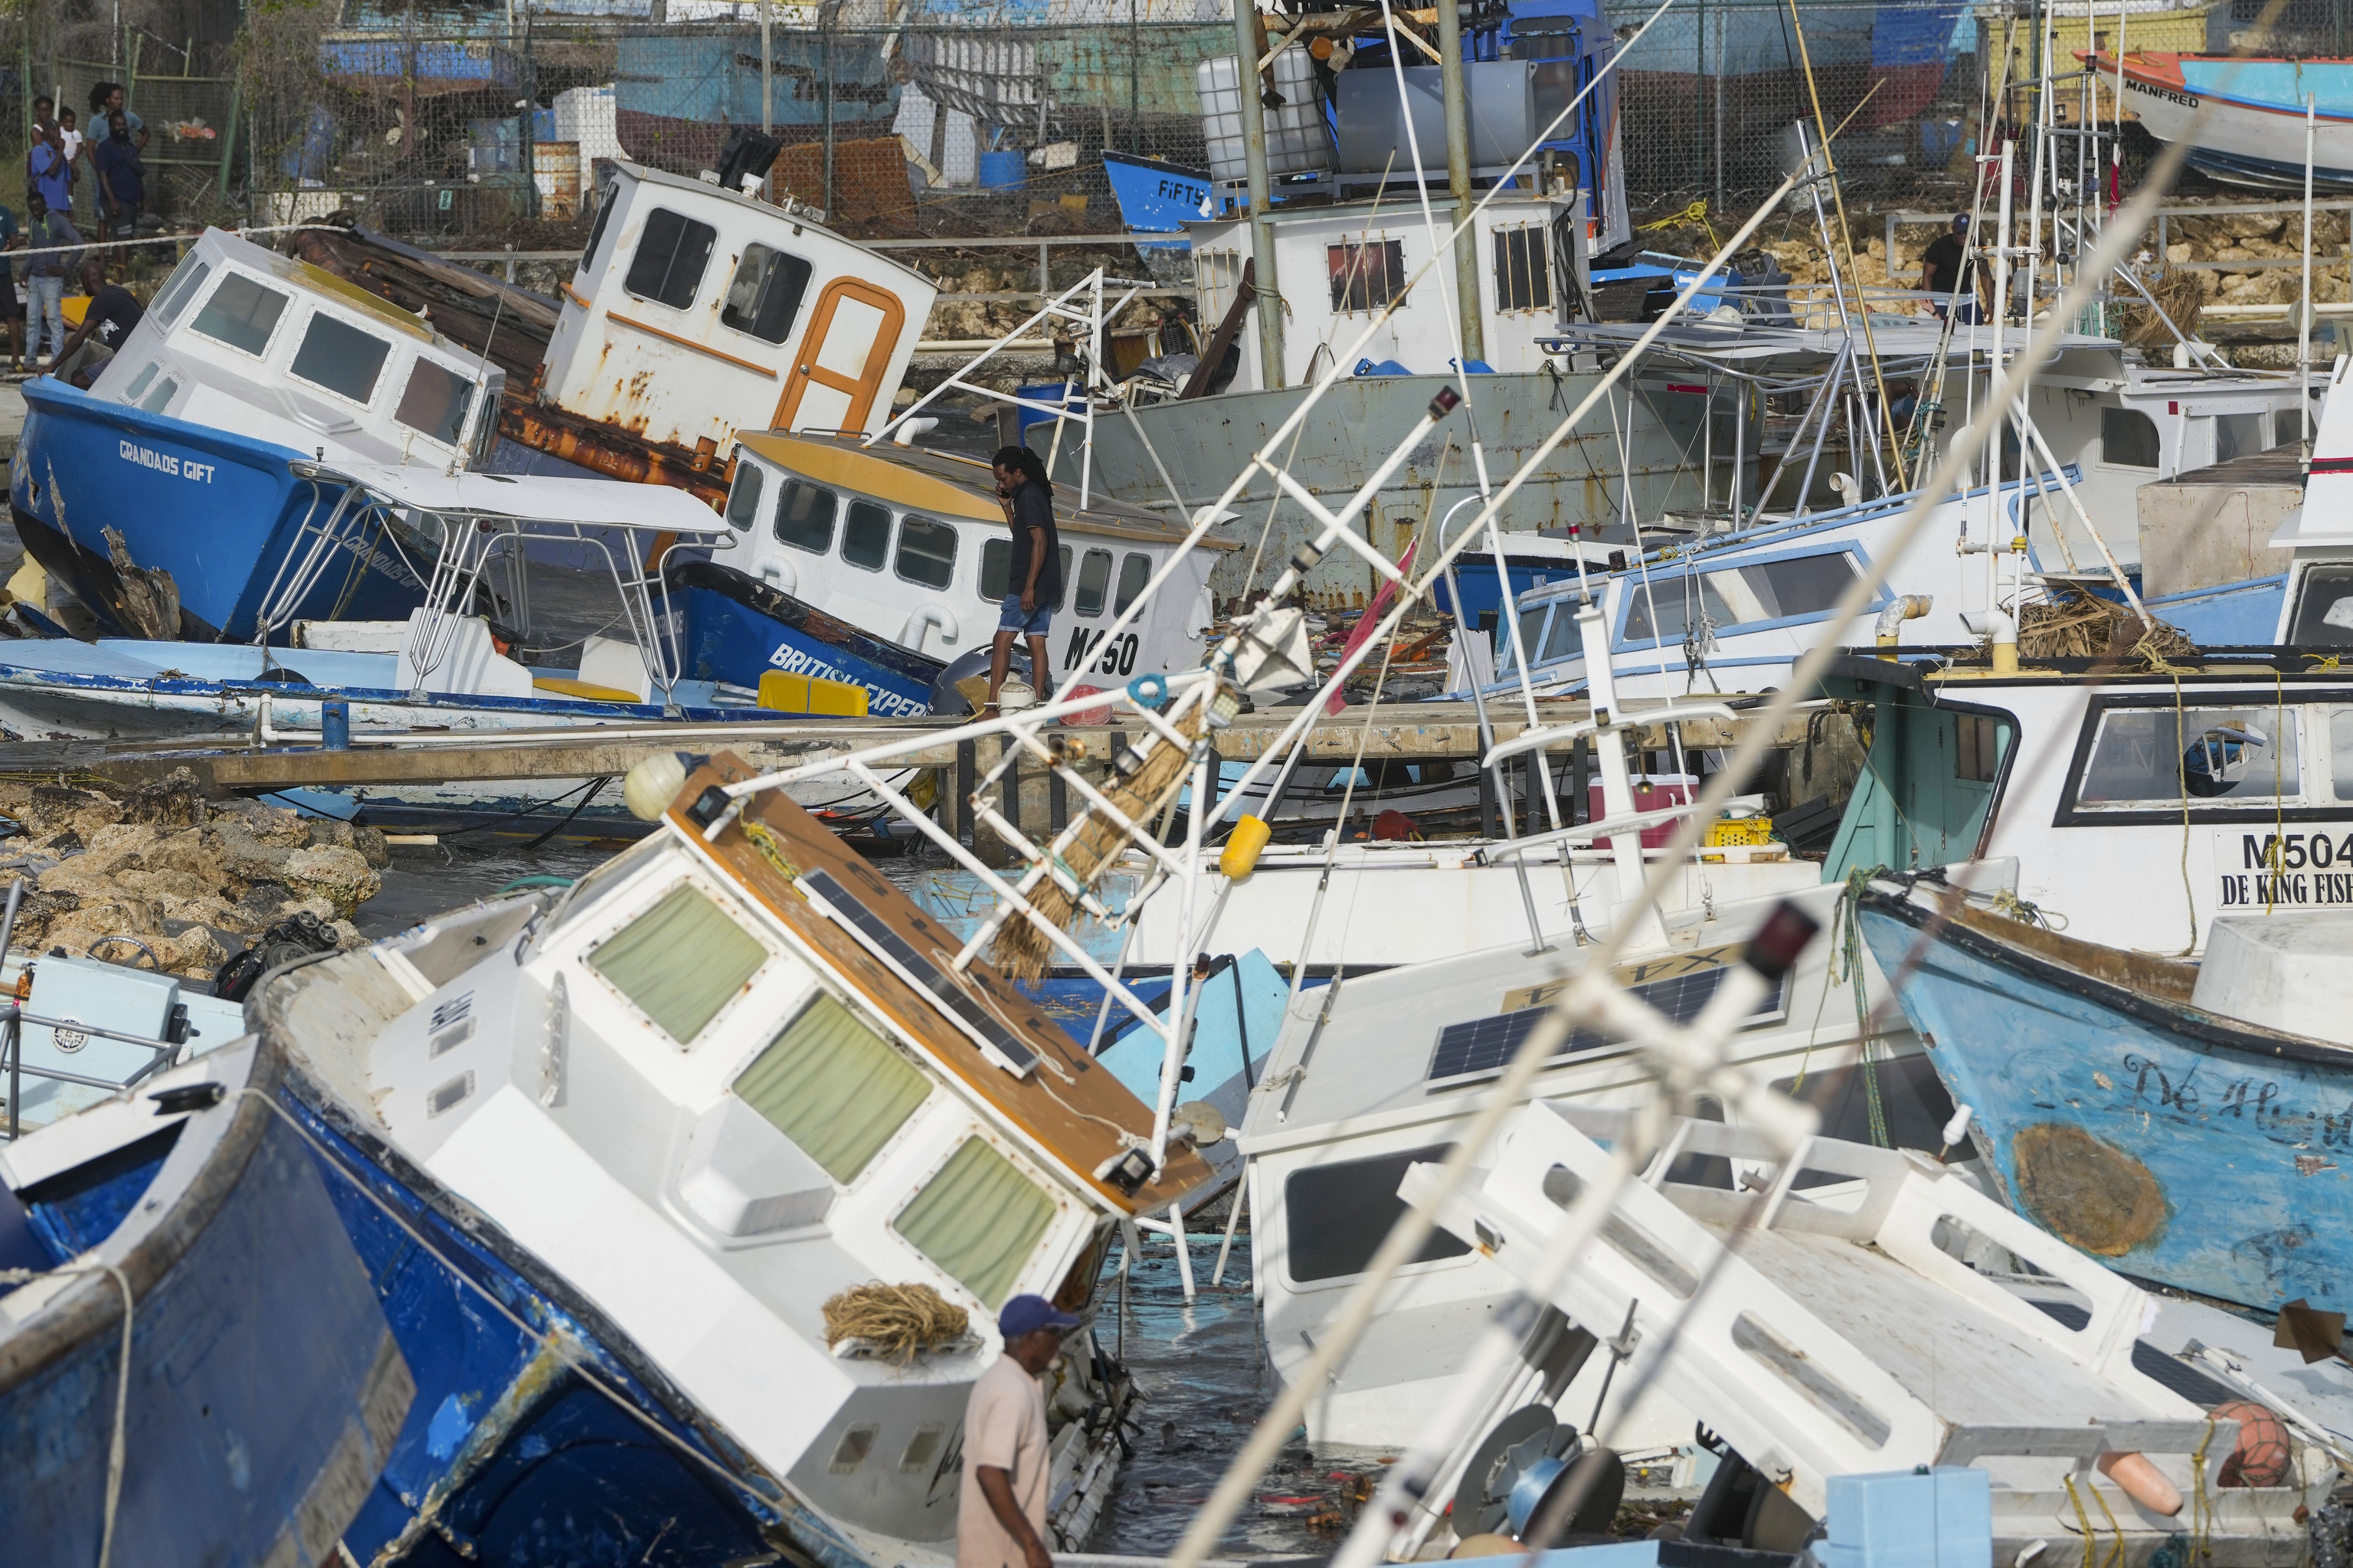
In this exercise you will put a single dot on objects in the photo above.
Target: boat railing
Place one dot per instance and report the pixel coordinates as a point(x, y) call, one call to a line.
point(316, 545)
point(16, 1018)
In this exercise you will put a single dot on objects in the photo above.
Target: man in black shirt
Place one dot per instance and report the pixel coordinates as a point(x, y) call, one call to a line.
point(1035, 583)
point(113, 312)
point(1940, 268)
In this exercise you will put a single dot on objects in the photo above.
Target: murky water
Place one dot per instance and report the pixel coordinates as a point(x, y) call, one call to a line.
point(1205, 1387)
point(425, 880)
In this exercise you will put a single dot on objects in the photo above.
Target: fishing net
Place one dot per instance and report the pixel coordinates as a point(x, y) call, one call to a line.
point(896, 1320)
point(2075, 624)
point(1021, 949)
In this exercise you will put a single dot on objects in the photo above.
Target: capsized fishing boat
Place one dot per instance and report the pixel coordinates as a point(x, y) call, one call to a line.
point(479, 656)
point(169, 496)
point(1836, 1311)
point(2182, 1121)
point(195, 1363)
point(884, 568)
point(2253, 107)
point(615, 1152)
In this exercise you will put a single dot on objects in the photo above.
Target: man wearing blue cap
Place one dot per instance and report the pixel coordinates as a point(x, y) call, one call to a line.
point(1001, 1503)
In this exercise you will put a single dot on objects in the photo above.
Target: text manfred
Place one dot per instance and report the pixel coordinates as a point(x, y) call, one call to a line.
point(164, 462)
point(795, 660)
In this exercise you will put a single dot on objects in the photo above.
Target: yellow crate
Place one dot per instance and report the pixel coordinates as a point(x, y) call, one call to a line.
point(808, 694)
point(1740, 830)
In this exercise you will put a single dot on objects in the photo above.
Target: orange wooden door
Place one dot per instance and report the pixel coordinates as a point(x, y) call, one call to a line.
point(839, 372)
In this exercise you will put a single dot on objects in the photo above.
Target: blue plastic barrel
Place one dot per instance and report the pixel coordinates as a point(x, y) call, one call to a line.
point(999, 171)
point(335, 726)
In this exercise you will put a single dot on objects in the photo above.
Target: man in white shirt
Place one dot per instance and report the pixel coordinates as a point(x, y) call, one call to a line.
point(1001, 1501)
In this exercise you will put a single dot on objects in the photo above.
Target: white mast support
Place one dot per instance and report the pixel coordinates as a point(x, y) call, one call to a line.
point(1059, 308)
point(1996, 362)
point(1207, 516)
point(2059, 474)
point(1340, 532)
point(1503, 496)
point(1181, 990)
point(2303, 315)
point(1363, 1302)
point(1060, 938)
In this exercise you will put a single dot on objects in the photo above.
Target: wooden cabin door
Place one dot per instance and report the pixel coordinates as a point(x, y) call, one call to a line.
point(838, 373)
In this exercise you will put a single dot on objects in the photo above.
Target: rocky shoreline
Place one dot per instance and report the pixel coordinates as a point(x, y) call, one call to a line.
point(190, 880)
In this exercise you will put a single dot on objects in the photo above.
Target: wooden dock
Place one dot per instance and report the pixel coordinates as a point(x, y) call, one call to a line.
point(238, 765)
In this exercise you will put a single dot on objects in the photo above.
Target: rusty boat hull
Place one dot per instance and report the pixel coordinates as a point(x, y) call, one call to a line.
point(2174, 1145)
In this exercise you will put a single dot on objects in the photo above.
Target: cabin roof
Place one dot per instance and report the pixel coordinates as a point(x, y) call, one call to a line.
point(1070, 1105)
point(244, 252)
point(944, 484)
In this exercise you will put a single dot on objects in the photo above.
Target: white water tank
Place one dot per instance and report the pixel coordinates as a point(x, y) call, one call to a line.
point(2290, 971)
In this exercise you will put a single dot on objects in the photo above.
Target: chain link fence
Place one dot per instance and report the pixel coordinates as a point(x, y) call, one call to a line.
point(484, 127)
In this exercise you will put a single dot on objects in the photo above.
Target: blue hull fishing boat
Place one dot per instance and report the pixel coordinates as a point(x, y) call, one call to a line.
point(264, 1387)
point(2118, 1105)
point(100, 491)
point(171, 497)
point(738, 627)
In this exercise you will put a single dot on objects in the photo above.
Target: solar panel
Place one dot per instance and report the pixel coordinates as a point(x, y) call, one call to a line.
point(1480, 1046)
point(1012, 1051)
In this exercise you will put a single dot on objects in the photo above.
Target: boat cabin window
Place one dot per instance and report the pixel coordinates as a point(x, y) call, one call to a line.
point(1094, 577)
point(996, 573)
point(241, 313)
point(1337, 1215)
point(668, 267)
point(2157, 756)
point(1800, 588)
point(138, 383)
point(1531, 622)
point(1366, 277)
point(744, 496)
point(679, 962)
point(1523, 279)
point(595, 237)
point(978, 1220)
point(2341, 752)
point(804, 517)
point(340, 357)
point(927, 551)
point(866, 535)
point(1133, 573)
point(2128, 438)
point(764, 297)
point(1560, 635)
point(2238, 435)
point(835, 1087)
point(179, 288)
point(434, 403)
point(160, 398)
point(2324, 609)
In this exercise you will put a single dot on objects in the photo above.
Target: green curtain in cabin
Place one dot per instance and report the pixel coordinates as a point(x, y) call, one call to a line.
point(979, 1219)
point(833, 1086)
point(680, 961)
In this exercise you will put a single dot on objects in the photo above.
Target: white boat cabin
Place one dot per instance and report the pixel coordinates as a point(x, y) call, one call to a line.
point(1337, 267)
point(698, 311)
point(692, 1090)
point(243, 340)
point(913, 547)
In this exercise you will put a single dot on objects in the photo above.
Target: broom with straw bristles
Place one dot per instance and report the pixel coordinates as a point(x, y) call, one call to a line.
point(1021, 949)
